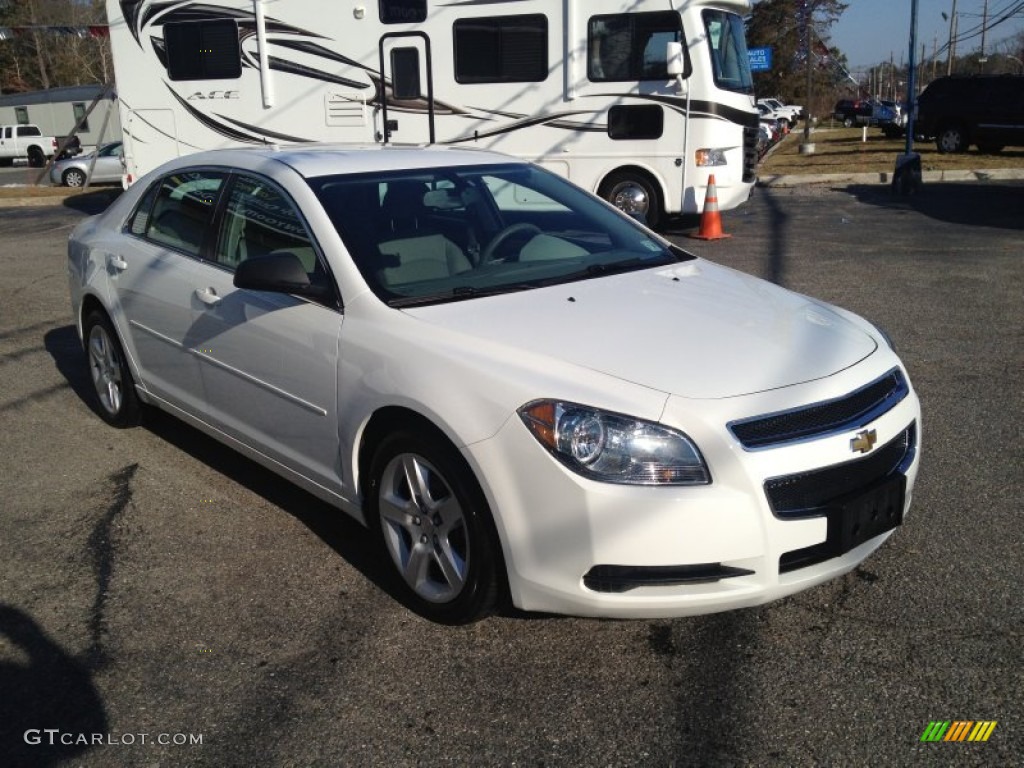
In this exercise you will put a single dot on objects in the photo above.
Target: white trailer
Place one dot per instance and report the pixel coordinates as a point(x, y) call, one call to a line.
point(639, 101)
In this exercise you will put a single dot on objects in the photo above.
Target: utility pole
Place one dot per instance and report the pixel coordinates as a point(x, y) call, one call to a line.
point(984, 25)
point(907, 177)
point(951, 48)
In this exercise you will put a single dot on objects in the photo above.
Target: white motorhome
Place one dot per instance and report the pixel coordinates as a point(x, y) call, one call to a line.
point(639, 101)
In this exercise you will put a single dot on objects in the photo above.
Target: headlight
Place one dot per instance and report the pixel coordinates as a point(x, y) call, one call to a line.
point(709, 157)
point(614, 448)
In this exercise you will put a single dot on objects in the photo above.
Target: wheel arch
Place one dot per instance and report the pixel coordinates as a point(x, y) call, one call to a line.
point(656, 182)
point(390, 419)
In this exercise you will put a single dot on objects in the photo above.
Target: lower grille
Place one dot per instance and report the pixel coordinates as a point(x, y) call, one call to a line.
point(807, 494)
point(750, 154)
point(622, 578)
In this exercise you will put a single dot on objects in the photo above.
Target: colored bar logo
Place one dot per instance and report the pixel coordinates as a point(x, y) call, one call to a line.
point(958, 730)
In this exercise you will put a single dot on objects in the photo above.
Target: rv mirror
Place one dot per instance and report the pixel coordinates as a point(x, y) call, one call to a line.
point(405, 74)
point(674, 60)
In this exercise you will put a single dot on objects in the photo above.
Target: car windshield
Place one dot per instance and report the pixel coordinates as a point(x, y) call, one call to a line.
point(449, 234)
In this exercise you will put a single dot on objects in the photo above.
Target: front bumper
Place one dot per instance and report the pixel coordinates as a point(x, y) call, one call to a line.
point(581, 547)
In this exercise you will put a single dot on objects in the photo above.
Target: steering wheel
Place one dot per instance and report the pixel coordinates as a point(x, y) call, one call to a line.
point(505, 234)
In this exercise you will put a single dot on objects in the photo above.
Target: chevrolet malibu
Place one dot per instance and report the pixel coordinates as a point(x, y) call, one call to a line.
point(525, 394)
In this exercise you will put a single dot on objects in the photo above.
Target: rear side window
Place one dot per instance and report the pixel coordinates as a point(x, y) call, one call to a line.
point(29, 130)
point(203, 50)
point(178, 210)
point(501, 49)
point(631, 46)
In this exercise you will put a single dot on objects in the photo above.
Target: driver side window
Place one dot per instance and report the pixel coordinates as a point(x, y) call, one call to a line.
point(260, 220)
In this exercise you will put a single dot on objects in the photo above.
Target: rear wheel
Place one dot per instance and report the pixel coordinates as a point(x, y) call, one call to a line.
point(73, 178)
point(951, 139)
point(36, 158)
point(634, 194)
point(436, 527)
point(108, 369)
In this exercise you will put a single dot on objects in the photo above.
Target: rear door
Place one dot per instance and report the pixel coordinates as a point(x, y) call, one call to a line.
point(154, 282)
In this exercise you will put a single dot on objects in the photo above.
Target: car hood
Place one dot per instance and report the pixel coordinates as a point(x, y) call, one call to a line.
point(693, 329)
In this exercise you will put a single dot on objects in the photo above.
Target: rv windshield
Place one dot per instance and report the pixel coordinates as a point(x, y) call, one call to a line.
point(448, 234)
point(728, 47)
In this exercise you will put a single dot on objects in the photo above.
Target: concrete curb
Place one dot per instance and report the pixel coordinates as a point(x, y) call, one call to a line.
point(885, 177)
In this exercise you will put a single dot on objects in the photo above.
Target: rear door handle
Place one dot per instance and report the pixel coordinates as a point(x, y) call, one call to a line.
point(208, 296)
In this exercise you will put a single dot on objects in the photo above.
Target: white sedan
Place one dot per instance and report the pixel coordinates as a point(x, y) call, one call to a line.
point(526, 394)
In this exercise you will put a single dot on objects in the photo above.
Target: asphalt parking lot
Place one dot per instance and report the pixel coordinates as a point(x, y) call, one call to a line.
point(161, 592)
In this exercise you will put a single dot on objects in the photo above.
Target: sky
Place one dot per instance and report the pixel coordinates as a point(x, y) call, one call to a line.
point(870, 30)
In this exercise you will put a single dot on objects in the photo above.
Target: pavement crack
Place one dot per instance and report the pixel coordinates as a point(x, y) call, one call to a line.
point(102, 547)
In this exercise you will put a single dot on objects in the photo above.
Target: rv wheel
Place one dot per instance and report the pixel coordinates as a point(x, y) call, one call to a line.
point(633, 194)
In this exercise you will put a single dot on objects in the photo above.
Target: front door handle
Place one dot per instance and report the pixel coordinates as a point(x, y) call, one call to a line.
point(208, 296)
point(116, 262)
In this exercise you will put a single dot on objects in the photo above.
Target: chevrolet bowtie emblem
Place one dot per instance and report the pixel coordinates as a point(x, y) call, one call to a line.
point(864, 441)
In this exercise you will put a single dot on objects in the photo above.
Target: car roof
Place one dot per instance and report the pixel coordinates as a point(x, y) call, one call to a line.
point(314, 160)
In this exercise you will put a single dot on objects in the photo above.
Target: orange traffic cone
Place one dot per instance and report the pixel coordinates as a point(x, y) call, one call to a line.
point(710, 220)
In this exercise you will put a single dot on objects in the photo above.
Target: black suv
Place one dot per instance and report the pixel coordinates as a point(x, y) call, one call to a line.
point(986, 110)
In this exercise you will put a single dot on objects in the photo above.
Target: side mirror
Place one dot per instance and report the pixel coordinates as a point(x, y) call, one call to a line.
point(675, 61)
point(277, 272)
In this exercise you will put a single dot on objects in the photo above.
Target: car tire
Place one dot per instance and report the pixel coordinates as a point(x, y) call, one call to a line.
point(629, 191)
point(847, 122)
point(951, 139)
point(118, 402)
point(73, 178)
point(36, 158)
point(438, 536)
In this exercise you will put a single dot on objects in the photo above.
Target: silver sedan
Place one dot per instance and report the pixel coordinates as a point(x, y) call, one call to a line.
point(74, 171)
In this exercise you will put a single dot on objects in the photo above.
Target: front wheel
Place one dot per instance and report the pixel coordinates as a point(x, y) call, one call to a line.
point(951, 139)
point(435, 526)
point(111, 378)
point(633, 194)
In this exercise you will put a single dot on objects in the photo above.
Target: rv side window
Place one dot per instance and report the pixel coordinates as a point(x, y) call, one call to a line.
point(631, 46)
point(501, 49)
point(403, 11)
point(20, 115)
point(203, 50)
point(639, 121)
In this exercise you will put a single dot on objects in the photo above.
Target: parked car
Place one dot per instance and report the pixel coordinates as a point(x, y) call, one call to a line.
point(520, 389)
point(863, 112)
point(74, 172)
point(790, 112)
point(984, 110)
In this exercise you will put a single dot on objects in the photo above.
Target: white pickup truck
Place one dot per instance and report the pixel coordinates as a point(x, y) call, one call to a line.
point(25, 141)
point(788, 112)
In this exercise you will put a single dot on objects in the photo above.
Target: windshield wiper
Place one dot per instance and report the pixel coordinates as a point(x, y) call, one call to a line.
point(460, 293)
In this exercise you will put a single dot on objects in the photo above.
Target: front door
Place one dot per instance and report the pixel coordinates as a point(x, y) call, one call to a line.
point(269, 361)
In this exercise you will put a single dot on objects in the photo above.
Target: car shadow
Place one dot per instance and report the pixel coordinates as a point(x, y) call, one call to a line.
point(345, 535)
point(978, 204)
point(96, 201)
point(44, 689)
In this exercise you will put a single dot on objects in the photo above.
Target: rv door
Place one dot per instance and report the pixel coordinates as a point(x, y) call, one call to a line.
point(407, 86)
